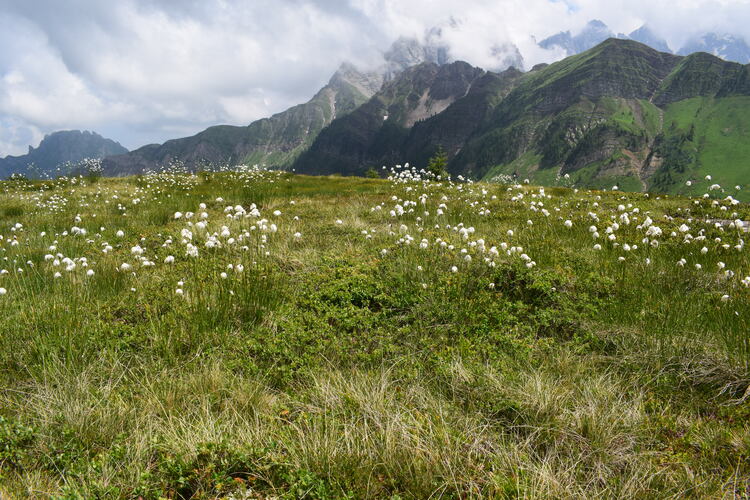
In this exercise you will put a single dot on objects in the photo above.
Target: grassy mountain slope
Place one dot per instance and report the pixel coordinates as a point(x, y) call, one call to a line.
point(619, 115)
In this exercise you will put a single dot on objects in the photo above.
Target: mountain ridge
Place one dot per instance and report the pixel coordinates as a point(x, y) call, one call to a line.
point(56, 149)
point(600, 116)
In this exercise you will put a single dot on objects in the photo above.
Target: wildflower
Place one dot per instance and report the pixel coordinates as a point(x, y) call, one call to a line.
point(125, 266)
point(179, 291)
point(223, 276)
point(136, 250)
point(720, 265)
point(3, 291)
point(298, 235)
point(568, 223)
point(169, 259)
point(597, 247)
point(454, 269)
point(178, 215)
point(725, 298)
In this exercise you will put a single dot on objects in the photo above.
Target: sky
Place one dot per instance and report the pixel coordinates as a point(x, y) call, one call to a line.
point(145, 71)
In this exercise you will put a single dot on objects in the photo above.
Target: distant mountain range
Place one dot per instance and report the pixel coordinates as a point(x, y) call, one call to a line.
point(726, 46)
point(620, 113)
point(55, 150)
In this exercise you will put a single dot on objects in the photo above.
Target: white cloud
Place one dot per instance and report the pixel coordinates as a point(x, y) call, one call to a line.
point(142, 71)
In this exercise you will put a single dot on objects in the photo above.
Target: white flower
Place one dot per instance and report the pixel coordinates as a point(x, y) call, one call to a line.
point(136, 250)
point(298, 235)
point(169, 259)
point(3, 291)
point(721, 265)
point(125, 266)
point(179, 291)
point(568, 223)
point(90, 272)
point(223, 276)
point(277, 213)
point(178, 215)
point(454, 269)
point(597, 247)
point(339, 221)
point(724, 298)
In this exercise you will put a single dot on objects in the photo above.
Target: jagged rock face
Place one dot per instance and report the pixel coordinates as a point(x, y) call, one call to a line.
point(374, 134)
point(645, 36)
point(726, 46)
point(57, 149)
point(593, 34)
point(407, 52)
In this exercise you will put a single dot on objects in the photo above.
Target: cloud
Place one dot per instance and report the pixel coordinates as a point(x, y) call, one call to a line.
point(143, 71)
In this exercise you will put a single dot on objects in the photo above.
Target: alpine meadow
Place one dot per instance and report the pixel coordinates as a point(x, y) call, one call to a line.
point(258, 334)
point(374, 249)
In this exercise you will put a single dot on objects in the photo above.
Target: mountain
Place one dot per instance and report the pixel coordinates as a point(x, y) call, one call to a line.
point(728, 47)
point(279, 140)
point(620, 113)
point(646, 36)
point(57, 149)
point(594, 33)
point(373, 134)
point(274, 141)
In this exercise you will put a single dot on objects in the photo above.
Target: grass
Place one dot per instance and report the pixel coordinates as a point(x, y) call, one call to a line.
point(720, 140)
point(342, 356)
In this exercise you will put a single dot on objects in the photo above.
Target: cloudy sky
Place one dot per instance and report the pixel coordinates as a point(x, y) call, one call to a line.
point(143, 71)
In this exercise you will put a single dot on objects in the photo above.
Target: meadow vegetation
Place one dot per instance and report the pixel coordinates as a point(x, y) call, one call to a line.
point(256, 334)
